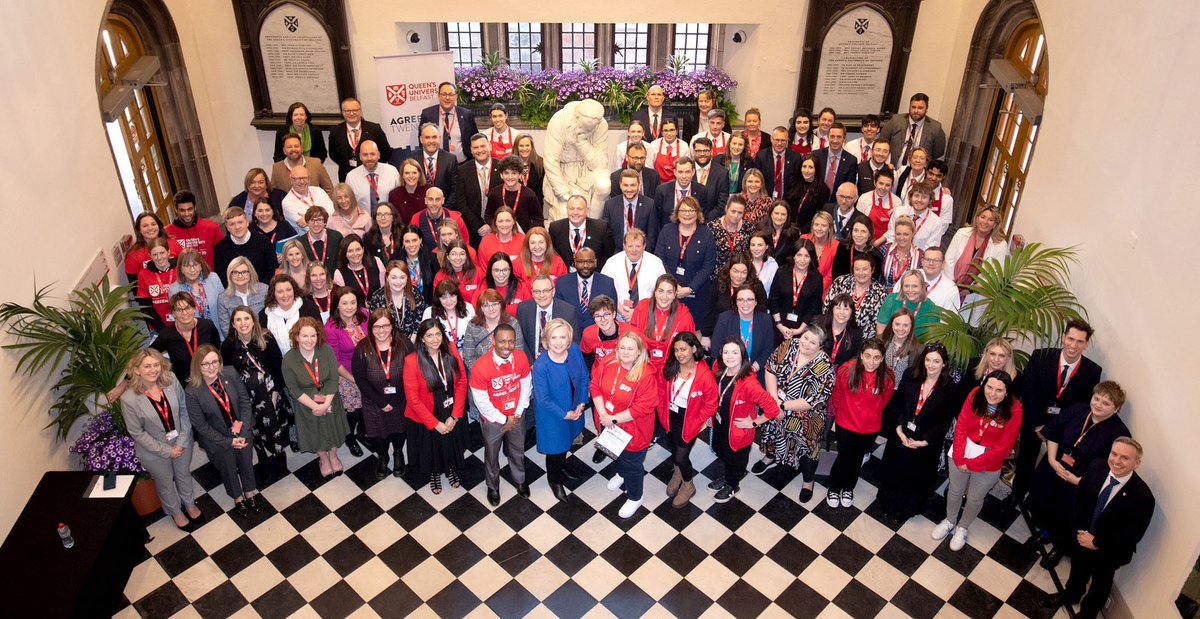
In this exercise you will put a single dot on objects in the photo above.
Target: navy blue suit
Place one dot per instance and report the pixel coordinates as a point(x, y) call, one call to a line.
point(566, 289)
point(645, 218)
point(765, 162)
point(464, 119)
point(847, 171)
point(698, 264)
point(715, 192)
point(650, 181)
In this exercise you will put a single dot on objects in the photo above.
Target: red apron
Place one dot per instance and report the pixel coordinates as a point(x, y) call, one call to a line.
point(664, 163)
point(501, 147)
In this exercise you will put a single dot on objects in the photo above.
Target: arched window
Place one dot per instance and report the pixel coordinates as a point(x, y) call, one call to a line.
point(1014, 134)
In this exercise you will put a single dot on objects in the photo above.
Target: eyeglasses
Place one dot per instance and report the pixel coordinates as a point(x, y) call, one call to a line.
point(747, 300)
point(183, 309)
point(543, 291)
point(210, 364)
point(492, 305)
point(240, 273)
point(603, 316)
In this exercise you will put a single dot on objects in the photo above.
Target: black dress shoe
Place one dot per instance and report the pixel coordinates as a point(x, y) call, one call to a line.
point(568, 475)
point(1059, 600)
point(355, 448)
point(398, 464)
point(558, 491)
point(523, 490)
point(252, 501)
point(598, 457)
point(241, 508)
point(493, 497)
point(1051, 560)
point(806, 494)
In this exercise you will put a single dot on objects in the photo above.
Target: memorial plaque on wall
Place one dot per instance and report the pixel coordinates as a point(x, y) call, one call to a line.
point(854, 63)
point(297, 60)
point(855, 55)
point(297, 50)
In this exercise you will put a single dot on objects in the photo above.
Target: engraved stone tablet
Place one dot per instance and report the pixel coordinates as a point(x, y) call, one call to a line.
point(854, 63)
point(298, 60)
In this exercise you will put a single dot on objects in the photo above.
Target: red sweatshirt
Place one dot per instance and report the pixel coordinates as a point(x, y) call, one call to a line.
point(658, 342)
point(589, 342)
point(748, 396)
point(702, 401)
point(501, 394)
point(202, 237)
point(998, 439)
point(640, 396)
point(860, 411)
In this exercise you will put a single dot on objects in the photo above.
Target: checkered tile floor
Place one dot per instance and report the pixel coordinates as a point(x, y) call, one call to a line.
point(353, 547)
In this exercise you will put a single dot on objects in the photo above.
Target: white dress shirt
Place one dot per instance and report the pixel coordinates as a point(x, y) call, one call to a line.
point(650, 268)
point(294, 206)
point(928, 228)
point(388, 179)
point(484, 403)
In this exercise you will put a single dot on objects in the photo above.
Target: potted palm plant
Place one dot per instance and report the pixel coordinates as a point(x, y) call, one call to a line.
point(89, 340)
point(1023, 298)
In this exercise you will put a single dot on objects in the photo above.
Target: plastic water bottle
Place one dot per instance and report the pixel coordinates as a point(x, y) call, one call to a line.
point(64, 533)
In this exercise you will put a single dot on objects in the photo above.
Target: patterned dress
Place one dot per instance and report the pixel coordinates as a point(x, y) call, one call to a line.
point(795, 435)
point(259, 369)
point(728, 243)
point(412, 315)
point(866, 307)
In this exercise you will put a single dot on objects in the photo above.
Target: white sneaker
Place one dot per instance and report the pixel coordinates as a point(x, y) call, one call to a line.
point(832, 499)
point(959, 540)
point(616, 482)
point(847, 498)
point(942, 530)
point(629, 508)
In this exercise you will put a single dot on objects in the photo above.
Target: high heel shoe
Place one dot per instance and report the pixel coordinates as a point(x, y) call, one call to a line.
point(452, 476)
point(435, 484)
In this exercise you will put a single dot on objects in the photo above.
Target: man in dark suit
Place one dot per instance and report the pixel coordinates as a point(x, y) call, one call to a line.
point(440, 166)
point(470, 197)
point(617, 210)
point(1112, 514)
point(457, 124)
point(900, 132)
point(843, 210)
point(777, 161)
point(578, 231)
point(712, 176)
point(635, 159)
point(346, 136)
point(881, 155)
point(585, 284)
point(834, 165)
point(543, 308)
point(653, 115)
point(1054, 379)
point(669, 195)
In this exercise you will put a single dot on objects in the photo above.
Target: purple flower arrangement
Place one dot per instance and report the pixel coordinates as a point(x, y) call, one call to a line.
point(105, 449)
point(484, 84)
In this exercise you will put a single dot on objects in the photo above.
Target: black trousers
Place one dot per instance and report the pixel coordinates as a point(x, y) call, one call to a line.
point(735, 461)
point(1027, 457)
point(852, 446)
point(1090, 565)
point(681, 450)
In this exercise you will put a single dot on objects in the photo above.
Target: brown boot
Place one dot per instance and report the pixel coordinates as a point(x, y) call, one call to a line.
point(676, 480)
point(686, 492)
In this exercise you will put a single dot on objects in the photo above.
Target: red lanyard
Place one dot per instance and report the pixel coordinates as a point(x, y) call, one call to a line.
point(575, 247)
point(681, 381)
point(222, 398)
point(453, 325)
point(313, 248)
point(797, 284)
point(617, 378)
point(389, 247)
point(1086, 428)
point(1062, 384)
point(924, 219)
point(894, 260)
point(325, 306)
point(732, 238)
point(934, 283)
point(313, 370)
point(858, 301)
point(516, 202)
point(921, 400)
point(837, 343)
point(163, 408)
point(364, 283)
point(430, 170)
point(352, 136)
point(448, 121)
point(683, 244)
point(386, 363)
point(310, 202)
point(432, 227)
point(191, 341)
point(660, 326)
point(636, 272)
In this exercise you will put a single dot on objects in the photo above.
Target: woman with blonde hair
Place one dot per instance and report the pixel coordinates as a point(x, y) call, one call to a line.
point(624, 391)
point(244, 289)
point(560, 393)
point(973, 244)
point(348, 217)
point(295, 263)
point(155, 412)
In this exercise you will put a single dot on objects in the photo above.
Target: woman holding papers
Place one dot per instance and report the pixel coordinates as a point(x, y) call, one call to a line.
point(624, 392)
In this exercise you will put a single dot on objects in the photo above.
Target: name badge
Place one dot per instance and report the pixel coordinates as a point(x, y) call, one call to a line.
point(1053, 410)
point(625, 388)
point(172, 435)
point(628, 304)
point(793, 317)
point(911, 426)
point(608, 406)
point(676, 410)
point(237, 427)
point(448, 402)
point(354, 163)
point(679, 270)
point(389, 390)
point(508, 406)
point(1068, 460)
point(657, 354)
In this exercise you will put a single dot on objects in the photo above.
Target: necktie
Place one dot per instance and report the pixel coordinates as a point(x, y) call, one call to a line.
point(831, 173)
point(866, 151)
point(373, 178)
point(585, 295)
point(578, 239)
point(541, 329)
point(654, 127)
point(633, 291)
point(704, 176)
point(1062, 374)
point(446, 130)
point(683, 193)
point(1102, 500)
point(628, 217)
point(778, 188)
point(430, 170)
point(909, 143)
point(354, 139)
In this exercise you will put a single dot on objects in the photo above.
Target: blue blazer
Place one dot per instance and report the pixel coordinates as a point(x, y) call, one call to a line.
point(465, 120)
point(847, 171)
point(645, 218)
point(765, 163)
point(762, 337)
point(715, 194)
point(566, 289)
point(699, 263)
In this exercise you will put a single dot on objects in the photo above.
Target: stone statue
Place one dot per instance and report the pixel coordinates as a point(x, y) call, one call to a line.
point(576, 158)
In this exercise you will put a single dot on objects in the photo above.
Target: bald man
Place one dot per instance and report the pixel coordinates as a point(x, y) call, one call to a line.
point(653, 115)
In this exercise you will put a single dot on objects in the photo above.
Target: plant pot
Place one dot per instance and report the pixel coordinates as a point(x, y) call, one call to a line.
point(145, 497)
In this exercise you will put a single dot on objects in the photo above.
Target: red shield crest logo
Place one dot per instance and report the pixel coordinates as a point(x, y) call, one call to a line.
point(397, 94)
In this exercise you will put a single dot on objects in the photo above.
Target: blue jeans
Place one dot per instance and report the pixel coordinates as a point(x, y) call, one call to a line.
point(630, 468)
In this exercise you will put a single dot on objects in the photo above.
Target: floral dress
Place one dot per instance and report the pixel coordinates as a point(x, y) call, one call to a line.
point(729, 243)
point(794, 435)
point(259, 369)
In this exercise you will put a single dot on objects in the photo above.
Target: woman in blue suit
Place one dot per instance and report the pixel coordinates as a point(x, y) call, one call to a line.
point(155, 413)
point(560, 394)
point(688, 251)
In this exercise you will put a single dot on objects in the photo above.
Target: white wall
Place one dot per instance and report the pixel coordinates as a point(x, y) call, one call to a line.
point(939, 54)
point(48, 59)
point(1114, 64)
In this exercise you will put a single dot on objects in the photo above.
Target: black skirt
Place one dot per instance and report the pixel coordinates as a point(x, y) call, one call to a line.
point(434, 453)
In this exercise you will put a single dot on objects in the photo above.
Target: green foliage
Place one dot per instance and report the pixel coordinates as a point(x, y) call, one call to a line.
point(678, 64)
point(536, 106)
point(91, 340)
point(1023, 298)
point(730, 109)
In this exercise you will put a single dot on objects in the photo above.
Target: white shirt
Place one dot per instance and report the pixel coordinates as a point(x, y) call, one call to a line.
point(767, 274)
point(855, 147)
point(719, 141)
point(946, 212)
point(484, 404)
point(660, 146)
point(1121, 481)
point(996, 250)
point(684, 389)
point(387, 179)
point(456, 148)
point(455, 329)
point(650, 268)
point(867, 200)
point(295, 206)
point(943, 291)
point(928, 229)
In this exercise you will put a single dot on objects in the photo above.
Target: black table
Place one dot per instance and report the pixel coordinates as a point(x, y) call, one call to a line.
point(43, 579)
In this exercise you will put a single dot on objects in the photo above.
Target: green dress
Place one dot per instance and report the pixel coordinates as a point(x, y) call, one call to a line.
point(316, 433)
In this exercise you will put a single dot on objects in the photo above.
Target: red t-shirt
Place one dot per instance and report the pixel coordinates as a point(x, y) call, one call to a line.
point(860, 411)
point(503, 387)
point(202, 237)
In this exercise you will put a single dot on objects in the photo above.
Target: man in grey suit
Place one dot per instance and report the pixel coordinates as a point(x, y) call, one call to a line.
point(914, 129)
point(531, 315)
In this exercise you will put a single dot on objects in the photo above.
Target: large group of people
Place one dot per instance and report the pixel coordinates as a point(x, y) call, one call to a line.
point(748, 287)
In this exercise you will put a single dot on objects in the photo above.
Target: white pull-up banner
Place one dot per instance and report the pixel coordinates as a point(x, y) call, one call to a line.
point(408, 84)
